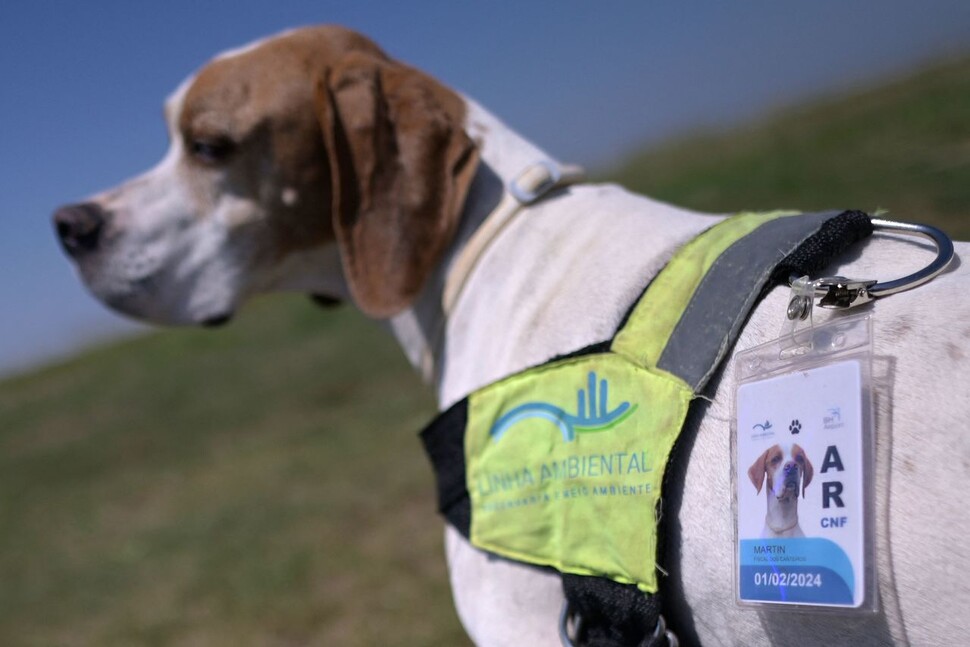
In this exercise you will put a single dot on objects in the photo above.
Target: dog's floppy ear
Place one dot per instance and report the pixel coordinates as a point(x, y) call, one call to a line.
point(758, 470)
point(807, 470)
point(400, 166)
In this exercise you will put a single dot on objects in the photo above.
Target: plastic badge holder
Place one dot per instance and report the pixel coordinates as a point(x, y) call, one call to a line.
point(802, 471)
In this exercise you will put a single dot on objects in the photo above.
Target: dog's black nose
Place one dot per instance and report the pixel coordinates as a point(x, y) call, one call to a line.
point(79, 227)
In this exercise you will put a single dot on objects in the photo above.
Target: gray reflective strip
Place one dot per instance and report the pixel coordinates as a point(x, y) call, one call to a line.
point(727, 293)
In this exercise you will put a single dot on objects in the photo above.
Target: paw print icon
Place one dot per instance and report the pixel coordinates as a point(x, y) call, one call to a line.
point(795, 427)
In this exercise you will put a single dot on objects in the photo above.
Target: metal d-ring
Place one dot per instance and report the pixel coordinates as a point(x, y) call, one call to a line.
point(839, 292)
point(944, 254)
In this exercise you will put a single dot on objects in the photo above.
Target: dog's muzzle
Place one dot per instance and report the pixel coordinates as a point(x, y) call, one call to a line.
point(792, 476)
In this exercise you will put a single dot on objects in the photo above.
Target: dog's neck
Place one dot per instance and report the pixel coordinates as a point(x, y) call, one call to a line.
point(782, 513)
point(503, 154)
point(551, 283)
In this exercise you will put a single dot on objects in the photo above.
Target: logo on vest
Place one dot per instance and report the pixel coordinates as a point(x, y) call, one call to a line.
point(592, 415)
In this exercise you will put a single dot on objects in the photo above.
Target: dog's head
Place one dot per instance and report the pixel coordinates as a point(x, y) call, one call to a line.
point(785, 467)
point(310, 161)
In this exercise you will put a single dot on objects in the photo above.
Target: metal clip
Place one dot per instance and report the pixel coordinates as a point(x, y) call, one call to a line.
point(839, 292)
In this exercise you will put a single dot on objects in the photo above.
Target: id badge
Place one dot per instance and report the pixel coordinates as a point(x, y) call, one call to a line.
point(802, 470)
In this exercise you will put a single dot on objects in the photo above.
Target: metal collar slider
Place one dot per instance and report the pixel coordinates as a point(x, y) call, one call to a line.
point(839, 292)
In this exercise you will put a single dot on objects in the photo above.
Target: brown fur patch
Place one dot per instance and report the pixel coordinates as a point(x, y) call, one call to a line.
point(262, 100)
point(402, 165)
point(370, 152)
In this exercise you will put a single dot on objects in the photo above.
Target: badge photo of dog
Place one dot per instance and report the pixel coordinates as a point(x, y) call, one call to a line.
point(785, 472)
point(313, 162)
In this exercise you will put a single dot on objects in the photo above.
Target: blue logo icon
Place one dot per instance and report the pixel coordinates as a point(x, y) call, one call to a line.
point(834, 419)
point(592, 413)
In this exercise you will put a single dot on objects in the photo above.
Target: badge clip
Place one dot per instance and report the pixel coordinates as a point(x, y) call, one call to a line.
point(839, 292)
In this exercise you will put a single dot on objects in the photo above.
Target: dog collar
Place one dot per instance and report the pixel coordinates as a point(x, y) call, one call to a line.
point(530, 186)
point(781, 530)
point(562, 465)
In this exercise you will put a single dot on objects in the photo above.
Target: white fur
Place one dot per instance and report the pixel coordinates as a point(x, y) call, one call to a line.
point(245, 49)
point(290, 196)
point(160, 239)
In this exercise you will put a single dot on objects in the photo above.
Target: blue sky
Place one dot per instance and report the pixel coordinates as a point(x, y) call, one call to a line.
point(83, 83)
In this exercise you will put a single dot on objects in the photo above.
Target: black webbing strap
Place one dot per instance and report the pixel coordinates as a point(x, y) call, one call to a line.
point(819, 250)
point(444, 442)
point(614, 614)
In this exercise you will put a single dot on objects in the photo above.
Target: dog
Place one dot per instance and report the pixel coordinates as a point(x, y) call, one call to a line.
point(313, 162)
point(786, 469)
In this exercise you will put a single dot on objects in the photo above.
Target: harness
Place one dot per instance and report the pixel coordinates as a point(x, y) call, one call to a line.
point(564, 465)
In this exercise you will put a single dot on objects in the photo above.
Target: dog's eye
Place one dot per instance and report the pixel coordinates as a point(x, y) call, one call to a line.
point(212, 150)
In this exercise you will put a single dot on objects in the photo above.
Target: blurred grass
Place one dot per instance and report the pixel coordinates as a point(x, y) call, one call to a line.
point(903, 146)
point(258, 485)
point(262, 485)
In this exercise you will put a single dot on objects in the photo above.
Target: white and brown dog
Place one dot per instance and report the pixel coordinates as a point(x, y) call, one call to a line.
point(313, 162)
point(787, 471)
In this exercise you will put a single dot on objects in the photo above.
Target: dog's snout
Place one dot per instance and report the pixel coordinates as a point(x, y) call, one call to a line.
point(79, 227)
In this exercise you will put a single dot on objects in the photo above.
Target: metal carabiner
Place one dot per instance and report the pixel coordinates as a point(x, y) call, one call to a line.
point(840, 292)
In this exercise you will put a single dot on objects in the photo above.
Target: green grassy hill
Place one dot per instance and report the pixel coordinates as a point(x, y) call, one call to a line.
point(903, 146)
point(257, 485)
point(263, 484)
